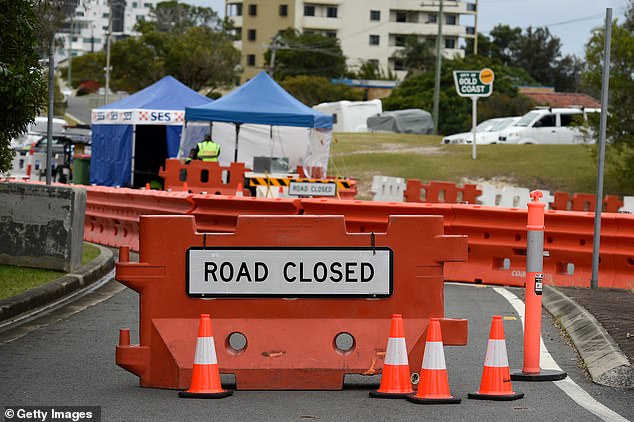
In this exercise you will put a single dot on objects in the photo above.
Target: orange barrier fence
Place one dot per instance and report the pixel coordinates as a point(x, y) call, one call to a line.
point(112, 214)
point(335, 324)
point(440, 192)
point(202, 176)
point(584, 202)
point(497, 236)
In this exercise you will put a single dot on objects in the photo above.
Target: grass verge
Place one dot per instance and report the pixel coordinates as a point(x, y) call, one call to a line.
point(567, 168)
point(15, 280)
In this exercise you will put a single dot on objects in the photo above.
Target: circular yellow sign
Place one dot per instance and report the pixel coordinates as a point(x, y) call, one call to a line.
point(486, 76)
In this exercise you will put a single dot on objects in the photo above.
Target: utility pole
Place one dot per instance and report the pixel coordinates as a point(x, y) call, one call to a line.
point(274, 47)
point(108, 43)
point(435, 110)
point(475, 28)
point(70, 55)
point(51, 104)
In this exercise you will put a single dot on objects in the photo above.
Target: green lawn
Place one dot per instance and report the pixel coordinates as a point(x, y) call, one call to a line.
point(15, 280)
point(568, 168)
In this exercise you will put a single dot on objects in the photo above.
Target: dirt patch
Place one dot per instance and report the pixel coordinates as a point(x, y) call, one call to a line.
point(399, 148)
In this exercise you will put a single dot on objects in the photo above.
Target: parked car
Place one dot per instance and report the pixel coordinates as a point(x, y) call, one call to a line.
point(550, 126)
point(487, 132)
point(38, 128)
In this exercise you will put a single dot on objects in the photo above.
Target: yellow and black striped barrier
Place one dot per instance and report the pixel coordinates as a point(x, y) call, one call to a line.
point(286, 182)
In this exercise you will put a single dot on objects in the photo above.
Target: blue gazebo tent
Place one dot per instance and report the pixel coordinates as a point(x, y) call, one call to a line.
point(131, 138)
point(265, 120)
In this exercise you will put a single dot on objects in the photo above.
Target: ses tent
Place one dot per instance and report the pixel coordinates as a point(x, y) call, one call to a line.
point(261, 119)
point(132, 137)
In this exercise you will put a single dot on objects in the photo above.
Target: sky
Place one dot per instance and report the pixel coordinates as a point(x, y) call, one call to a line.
point(570, 20)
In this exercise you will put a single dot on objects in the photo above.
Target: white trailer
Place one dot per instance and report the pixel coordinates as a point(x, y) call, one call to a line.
point(351, 116)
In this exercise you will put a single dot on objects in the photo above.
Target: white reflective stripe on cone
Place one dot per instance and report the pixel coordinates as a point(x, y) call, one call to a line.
point(434, 357)
point(205, 351)
point(396, 353)
point(496, 354)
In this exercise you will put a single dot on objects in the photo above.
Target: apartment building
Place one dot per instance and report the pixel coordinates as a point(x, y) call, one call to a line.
point(369, 30)
point(87, 31)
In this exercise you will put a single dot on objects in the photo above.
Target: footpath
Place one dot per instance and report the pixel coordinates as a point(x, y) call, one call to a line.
point(599, 322)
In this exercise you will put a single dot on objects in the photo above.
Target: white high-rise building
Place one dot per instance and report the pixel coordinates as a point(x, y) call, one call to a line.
point(369, 30)
point(87, 31)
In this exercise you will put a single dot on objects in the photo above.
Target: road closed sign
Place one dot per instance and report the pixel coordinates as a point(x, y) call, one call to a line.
point(289, 272)
point(474, 83)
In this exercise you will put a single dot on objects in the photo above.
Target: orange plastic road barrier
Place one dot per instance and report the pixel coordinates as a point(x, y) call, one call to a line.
point(395, 379)
point(441, 192)
point(202, 176)
point(280, 338)
point(496, 376)
point(433, 387)
point(205, 374)
point(584, 202)
point(219, 214)
point(531, 370)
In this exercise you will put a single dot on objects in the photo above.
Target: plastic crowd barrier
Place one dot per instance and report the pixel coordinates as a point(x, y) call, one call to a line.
point(584, 202)
point(202, 176)
point(387, 189)
point(344, 288)
point(444, 192)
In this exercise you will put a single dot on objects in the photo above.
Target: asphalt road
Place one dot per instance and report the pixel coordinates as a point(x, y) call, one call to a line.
point(71, 362)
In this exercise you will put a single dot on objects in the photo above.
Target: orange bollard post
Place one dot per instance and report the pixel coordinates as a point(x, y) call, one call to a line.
point(496, 378)
point(433, 387)
point(395, 380)
point(534, 279)
point(205, 373)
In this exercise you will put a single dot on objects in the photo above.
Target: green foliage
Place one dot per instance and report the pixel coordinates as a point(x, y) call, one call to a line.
point(455, 112)
point(312, 90)
point(620, 127)
point(192, 49)
point(371, 70)
point(307, 54)
point(418, 55)
point(22, 87)
point(535, 50)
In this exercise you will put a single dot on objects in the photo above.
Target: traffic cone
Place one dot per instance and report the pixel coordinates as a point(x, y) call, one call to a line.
point(496, 376)
point(239, 190)
point(147, 186)
point(205, 374)
point(433, 387)
point(395, 381)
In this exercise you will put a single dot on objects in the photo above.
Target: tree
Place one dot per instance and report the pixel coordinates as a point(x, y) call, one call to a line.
point(22, 87)
point(418, 55)
point(175, 17)
point(620, 128)
point(416, 91)
point(307, 54)
point(312, 90)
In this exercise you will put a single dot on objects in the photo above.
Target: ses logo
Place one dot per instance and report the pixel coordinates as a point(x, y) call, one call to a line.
point(161, 116)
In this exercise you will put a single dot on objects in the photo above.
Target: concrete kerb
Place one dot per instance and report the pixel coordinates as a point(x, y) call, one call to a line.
point(39, 296)
point(605, 362)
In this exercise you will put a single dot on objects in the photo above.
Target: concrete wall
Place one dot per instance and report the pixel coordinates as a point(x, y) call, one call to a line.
point(41, 226)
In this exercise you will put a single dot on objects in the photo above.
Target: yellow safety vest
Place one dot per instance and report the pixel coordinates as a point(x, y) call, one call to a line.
point(208, 151)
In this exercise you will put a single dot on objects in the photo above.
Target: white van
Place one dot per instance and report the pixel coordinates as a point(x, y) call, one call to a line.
point(550, 126)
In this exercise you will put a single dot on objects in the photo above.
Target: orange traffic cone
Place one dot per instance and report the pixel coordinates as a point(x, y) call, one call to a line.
point(496, 376)
point(433, 387)
point(395, 381)
point(239, 190)
point(147, 186)
point(205, 374)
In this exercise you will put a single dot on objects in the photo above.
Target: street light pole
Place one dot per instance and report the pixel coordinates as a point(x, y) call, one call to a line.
point(475, 29)
point(435, 111)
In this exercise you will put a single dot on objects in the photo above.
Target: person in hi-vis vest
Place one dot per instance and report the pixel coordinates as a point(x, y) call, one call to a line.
point(206, 150)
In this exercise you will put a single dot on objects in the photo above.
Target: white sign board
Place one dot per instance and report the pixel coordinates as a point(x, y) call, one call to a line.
point(289, 272)
point(312, 189)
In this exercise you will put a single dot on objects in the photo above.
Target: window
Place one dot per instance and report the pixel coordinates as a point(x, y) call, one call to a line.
point(546, 121)
point(570, 119)
point(399, 64)
point(375, 15)
point(309, 10)
point(331, 34)
point(399, 40)
point(135, 4)
point(451, 20)
point(374, 39)
point(450, 43)
point(251, 35)
point(283, 10)
point(401, 17)
point(253, 10)
point(105, 15)
point(432, 18)
point(234, 9)
point(250, 59)
point(471, 7)
point(331, 12)
point(148, 5)
point(140, 18)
